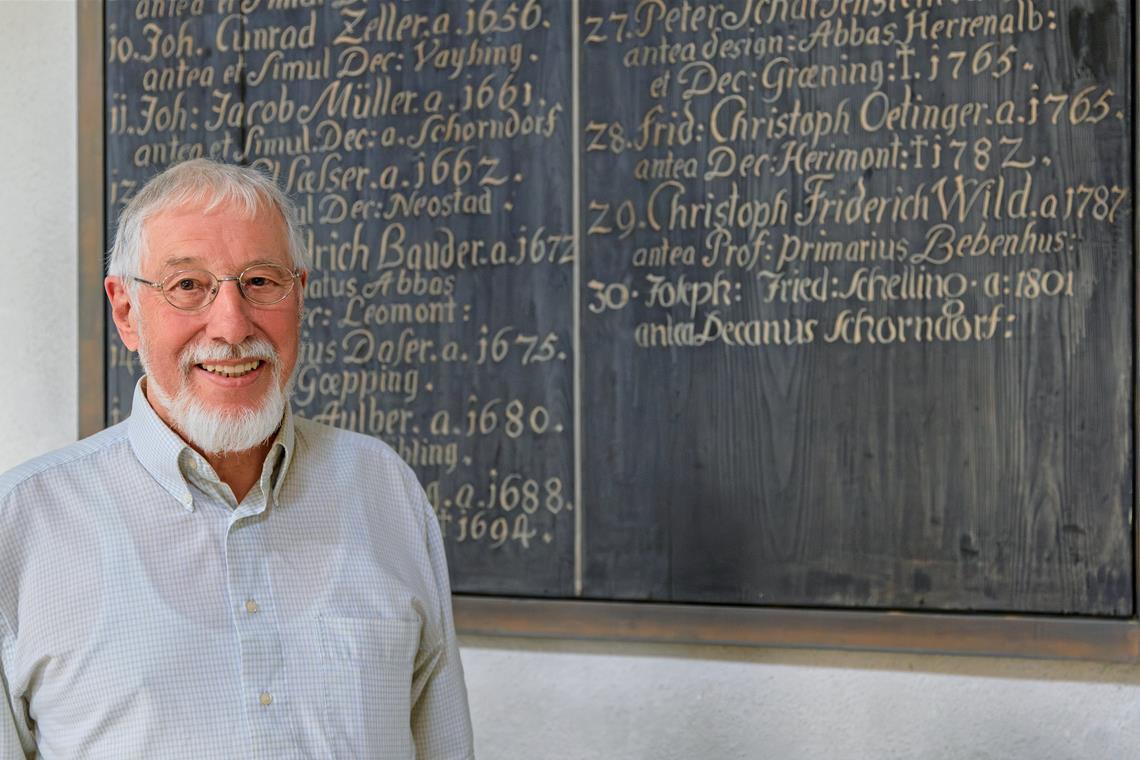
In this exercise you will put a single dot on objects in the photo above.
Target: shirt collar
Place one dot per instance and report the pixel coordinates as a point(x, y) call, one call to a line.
point(278, 464)
point(163, 453)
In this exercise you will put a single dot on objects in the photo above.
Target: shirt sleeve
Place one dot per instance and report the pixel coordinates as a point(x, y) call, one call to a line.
point(441, 720)
point(15, 736)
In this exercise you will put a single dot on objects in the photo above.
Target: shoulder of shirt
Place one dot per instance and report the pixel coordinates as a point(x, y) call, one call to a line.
point(356, 456)
point(53, 462)
point(318, 434)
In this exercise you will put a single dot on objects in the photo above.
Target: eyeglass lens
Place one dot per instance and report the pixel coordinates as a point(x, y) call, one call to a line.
point(195, 288)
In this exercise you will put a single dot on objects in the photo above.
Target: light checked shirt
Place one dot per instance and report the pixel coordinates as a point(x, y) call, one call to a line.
point(145, 614)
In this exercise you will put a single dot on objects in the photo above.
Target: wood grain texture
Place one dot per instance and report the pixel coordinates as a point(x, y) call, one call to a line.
point(990, 635)
point(949, 476)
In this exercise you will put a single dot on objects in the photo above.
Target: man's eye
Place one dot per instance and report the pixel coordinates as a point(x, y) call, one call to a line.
point(258, 282)
point(187, 284)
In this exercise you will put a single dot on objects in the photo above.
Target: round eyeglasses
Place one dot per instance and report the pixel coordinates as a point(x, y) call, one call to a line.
point(193, 289)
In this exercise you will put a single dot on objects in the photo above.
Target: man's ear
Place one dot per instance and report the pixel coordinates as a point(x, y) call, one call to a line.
point(123, 312)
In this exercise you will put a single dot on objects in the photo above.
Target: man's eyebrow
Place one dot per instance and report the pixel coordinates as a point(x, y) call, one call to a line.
point(197, 262)
point(179, 260)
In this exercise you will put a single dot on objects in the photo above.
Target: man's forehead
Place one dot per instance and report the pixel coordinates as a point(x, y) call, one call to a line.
point(190, 234)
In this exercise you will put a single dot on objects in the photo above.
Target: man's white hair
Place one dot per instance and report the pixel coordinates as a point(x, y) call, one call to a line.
point(210, 184)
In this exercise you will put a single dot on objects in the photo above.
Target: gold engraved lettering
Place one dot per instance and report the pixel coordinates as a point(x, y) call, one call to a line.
point(780, 75)
point(237, 34)
point(920, 25)
point(432, 54)
point(758, 176)
point(277, 67)
point(387, 24)
point(168, 8)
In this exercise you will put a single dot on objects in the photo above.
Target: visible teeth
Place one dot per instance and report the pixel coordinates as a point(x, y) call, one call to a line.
point(234, 370)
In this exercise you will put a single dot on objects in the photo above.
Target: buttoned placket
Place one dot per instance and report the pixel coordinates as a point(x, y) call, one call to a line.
point(263, 684)
point(189, 478)
point(264, 692)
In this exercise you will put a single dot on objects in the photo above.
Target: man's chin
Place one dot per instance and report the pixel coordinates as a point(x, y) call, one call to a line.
point(219, 415)
point(222, 427)
point(229, 412)
point(217, 432)
point(229, 401)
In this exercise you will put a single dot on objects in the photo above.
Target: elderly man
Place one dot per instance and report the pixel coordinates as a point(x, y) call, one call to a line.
point(214, 578)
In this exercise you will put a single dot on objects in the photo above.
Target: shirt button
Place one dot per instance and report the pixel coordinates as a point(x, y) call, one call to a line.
point(250, 606)
point(266, 698)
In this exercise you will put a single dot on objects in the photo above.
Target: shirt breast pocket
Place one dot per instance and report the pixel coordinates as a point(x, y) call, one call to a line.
point(368, 665)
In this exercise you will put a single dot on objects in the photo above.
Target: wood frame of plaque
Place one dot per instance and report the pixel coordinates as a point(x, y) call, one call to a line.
point(965, 633)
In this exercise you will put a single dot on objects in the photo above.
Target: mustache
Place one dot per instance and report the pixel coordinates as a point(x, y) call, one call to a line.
point(252, 348)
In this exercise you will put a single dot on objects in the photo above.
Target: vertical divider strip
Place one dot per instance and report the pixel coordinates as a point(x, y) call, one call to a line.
point(90, 156)
point(575, 307)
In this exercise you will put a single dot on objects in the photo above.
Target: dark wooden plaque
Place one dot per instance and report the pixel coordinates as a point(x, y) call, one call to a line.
point(873, 354)
point(770, 304)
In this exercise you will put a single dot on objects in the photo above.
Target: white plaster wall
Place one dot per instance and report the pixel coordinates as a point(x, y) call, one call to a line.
point(555, 700)
point(38, 239)
point(603, 701)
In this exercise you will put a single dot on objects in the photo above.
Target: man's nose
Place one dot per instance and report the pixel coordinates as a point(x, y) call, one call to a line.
point(228, 316)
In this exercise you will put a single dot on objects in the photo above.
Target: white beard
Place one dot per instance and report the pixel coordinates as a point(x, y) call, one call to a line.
point(213, 431)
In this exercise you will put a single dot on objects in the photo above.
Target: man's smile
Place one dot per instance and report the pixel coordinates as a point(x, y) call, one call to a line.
point(232, 374)
point(232, 370)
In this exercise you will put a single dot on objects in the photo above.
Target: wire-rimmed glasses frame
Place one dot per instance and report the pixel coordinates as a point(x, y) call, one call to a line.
point(260, 284)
